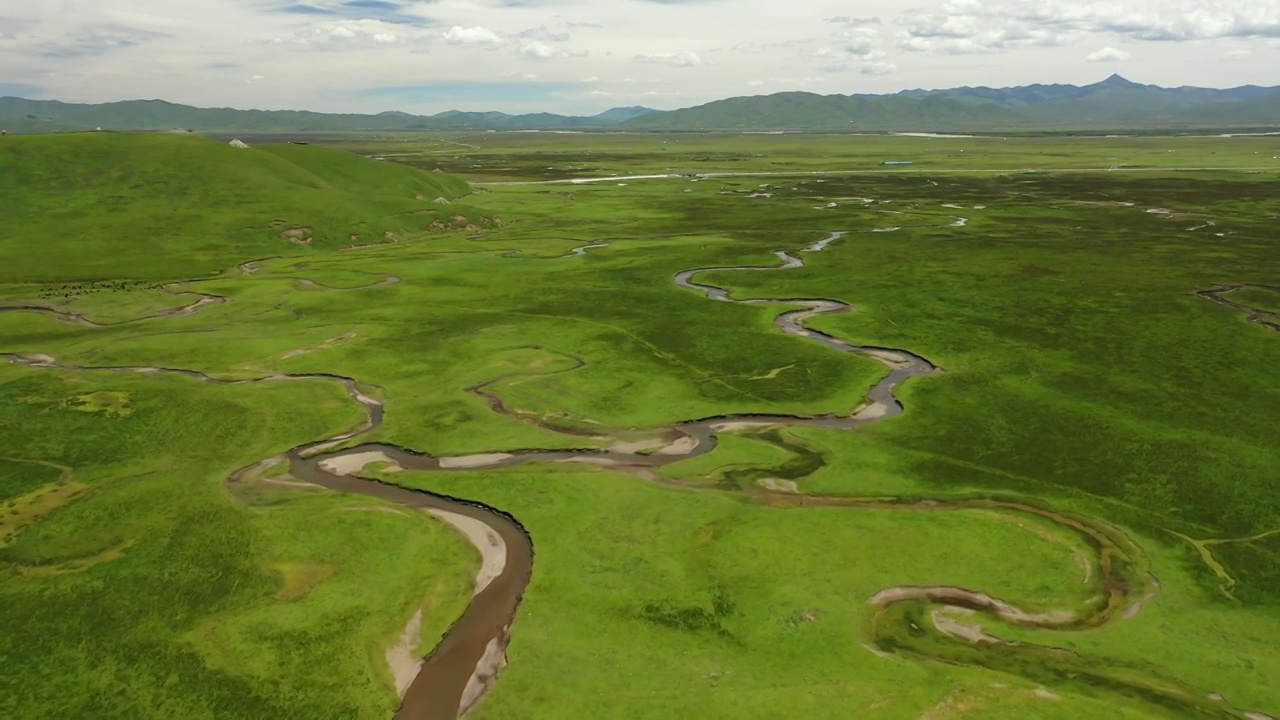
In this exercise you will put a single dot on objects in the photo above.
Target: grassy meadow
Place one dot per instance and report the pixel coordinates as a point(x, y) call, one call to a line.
point(1080, 372)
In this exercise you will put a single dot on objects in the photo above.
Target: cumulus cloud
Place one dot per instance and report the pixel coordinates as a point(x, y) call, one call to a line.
point(975, 26)
point(856, 48)
point(538, 50)
point(878, 68)
point(343, 34)
point(458, 35)
point(968, 26)
point(1108, 54)
point(684, 59)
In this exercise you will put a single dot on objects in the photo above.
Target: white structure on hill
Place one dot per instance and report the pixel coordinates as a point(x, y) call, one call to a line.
point(238, 143)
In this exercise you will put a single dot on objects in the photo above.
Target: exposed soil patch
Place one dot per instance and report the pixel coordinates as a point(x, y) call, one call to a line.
point(402, 661)
point(778, 485)
point(475, 461)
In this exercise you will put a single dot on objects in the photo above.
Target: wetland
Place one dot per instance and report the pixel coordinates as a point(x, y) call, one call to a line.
point(669, 408)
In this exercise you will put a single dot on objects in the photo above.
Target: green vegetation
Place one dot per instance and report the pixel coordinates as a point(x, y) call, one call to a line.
point(779, 159)
point(1265, 300)
point(150, 207)
point(150, 579)
point(1082, 374)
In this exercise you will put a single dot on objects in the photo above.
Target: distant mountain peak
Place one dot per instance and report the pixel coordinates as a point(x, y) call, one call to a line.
point(1117, 80)
point(621, 114)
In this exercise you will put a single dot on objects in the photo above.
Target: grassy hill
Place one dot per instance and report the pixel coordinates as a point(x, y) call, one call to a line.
point(169, 205)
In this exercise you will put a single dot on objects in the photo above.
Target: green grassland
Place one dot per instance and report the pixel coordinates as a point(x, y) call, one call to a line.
point(650, 602)
point(1260, 298)
point(548, 156)
point(99, 206)
point(140, 588)
point(1081, 372)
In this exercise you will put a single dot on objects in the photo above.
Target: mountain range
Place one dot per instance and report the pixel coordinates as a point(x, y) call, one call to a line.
point(1115, 103)
point(22, 115)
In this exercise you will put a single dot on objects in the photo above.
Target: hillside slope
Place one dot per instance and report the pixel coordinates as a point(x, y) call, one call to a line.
point(151, 206)
point(808, 111)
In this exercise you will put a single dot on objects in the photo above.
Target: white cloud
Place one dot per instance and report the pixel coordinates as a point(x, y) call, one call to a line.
point(353, 58)
point(1108, 54)
point(972, 26)
point(878, 68)
point(458, 35)
point(857, 49)
point(860, 46)
point(331, 35)
point(684, 59)
point(850, 20)
point(545, 34)
point(538, 50)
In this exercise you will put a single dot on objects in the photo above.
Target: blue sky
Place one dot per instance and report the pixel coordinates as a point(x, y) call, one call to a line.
point(583, 56)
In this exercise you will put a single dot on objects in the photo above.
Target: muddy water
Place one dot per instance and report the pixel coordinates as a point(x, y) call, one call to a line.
point(438, 692)
point(465, 664)
point(455, 676)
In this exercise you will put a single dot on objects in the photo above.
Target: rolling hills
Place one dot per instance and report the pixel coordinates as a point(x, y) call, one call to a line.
point(171, 204)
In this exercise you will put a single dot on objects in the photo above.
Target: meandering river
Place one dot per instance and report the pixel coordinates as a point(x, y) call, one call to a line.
point(466, 663)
